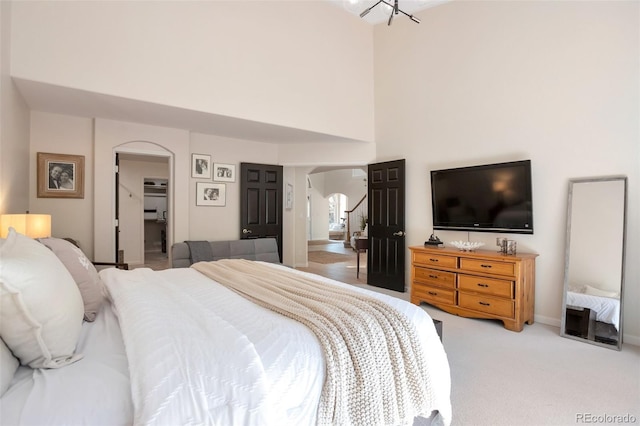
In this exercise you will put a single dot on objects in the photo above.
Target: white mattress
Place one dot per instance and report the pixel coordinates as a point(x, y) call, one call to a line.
point(97, 389)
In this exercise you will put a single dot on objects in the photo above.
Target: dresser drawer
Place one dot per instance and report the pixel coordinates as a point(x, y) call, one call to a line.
point(487, 266)
point(433, 294)
point(500, 288)
point(487, 304)
point(431, 259)
point(435, 277)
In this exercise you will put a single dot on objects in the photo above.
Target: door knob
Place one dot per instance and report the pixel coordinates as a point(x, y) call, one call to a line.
point(246, 231)
point(399, 234)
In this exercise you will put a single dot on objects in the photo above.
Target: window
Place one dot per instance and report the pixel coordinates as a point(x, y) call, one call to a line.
point(337, 207)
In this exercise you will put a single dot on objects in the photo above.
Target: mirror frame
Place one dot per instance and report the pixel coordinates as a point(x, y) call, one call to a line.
point(572, 182)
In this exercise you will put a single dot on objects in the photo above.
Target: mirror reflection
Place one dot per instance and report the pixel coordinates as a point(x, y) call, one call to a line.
point(594, 263)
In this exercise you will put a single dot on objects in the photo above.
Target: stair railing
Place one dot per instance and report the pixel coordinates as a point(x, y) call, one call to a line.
point(354, 218)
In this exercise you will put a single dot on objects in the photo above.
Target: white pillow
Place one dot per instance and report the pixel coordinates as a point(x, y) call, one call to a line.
point(82, 271)
point(8, 366)
point(40, 305)
point(592, 291)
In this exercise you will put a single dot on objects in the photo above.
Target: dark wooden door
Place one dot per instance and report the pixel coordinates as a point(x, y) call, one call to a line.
point(261, 202)
point(117, 218)
point(386, 197)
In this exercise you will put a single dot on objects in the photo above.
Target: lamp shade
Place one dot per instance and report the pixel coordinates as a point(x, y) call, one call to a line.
point(31, 225)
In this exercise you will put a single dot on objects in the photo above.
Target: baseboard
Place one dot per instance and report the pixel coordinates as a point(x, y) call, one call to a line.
point(628, 339)
point(547, 320)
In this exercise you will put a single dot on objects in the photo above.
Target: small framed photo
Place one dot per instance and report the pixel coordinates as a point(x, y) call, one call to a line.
point(224, 172)
point(211, 194)
point(60, 175)
point(288, 197)
point(201, 166)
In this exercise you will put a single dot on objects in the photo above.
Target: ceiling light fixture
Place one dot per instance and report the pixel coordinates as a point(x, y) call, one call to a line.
point(394, 11)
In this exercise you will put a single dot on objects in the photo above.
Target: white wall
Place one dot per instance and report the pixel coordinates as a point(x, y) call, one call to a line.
point(223, 223)
point(295, 220)
point(278, 62)
point(491, 81)
point(343, 181)
point(111, 136)
point(319, 207)
point(63, 134)
point(14, 129)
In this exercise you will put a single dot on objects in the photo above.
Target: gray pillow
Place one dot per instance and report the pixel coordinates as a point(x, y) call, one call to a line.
point(82, 271)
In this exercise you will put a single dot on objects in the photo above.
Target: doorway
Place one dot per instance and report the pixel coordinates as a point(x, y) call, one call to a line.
point(261, 202)
point(386, 223)
point(338, 205)
point(144, 209)
point(155, 222)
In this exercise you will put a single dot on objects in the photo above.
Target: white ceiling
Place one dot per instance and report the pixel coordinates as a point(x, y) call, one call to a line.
point(64, 100)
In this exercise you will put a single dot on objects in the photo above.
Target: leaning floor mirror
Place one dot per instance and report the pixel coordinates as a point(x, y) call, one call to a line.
point(594, 262)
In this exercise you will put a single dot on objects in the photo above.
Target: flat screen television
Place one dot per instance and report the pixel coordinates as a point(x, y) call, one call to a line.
point(488, 198)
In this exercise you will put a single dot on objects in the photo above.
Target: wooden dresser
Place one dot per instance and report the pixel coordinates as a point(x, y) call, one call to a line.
point(478, 284)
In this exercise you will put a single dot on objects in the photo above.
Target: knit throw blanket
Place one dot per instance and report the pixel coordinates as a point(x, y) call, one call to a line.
point(374, 362)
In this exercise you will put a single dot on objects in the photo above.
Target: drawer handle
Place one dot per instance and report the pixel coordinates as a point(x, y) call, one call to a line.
point(433, 276)
point(485, 303)
point(433, 260)
point(485, 266)
point(433, 293)
point(483, 285)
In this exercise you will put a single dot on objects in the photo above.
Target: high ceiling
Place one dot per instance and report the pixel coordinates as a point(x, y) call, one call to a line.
point(63, 100)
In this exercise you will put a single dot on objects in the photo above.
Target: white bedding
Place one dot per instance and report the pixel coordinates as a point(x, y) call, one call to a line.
point(211, 357)
point(93, 391)
point(607, 309)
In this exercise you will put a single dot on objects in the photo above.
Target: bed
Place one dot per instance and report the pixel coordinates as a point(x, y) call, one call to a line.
point(178, 347)
point(607, 309)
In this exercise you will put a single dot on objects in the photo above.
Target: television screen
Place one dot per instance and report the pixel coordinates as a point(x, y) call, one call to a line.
point(490, 197)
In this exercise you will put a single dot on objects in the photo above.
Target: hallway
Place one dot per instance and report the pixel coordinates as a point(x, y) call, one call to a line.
point(340, 271)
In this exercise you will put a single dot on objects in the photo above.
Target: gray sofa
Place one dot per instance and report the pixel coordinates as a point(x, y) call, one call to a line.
point(264, 249)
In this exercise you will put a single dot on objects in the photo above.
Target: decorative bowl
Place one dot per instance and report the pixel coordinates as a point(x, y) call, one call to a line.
point(466, 245)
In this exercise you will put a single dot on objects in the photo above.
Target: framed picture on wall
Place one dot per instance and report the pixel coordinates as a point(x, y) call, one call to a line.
point(60, 175)
point(288, 197)
point(211, 194)
point(201, 166)
point(224, 172)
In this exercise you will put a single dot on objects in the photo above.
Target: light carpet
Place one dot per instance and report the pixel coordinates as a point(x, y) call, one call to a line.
point(535, 377)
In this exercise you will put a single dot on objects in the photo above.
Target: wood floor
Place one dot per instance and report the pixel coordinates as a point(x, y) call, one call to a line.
point(155, 260)
point(346, 271)
point(343, 271)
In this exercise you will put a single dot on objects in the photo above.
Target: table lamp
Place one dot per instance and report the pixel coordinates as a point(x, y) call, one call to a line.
point(31, 225)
